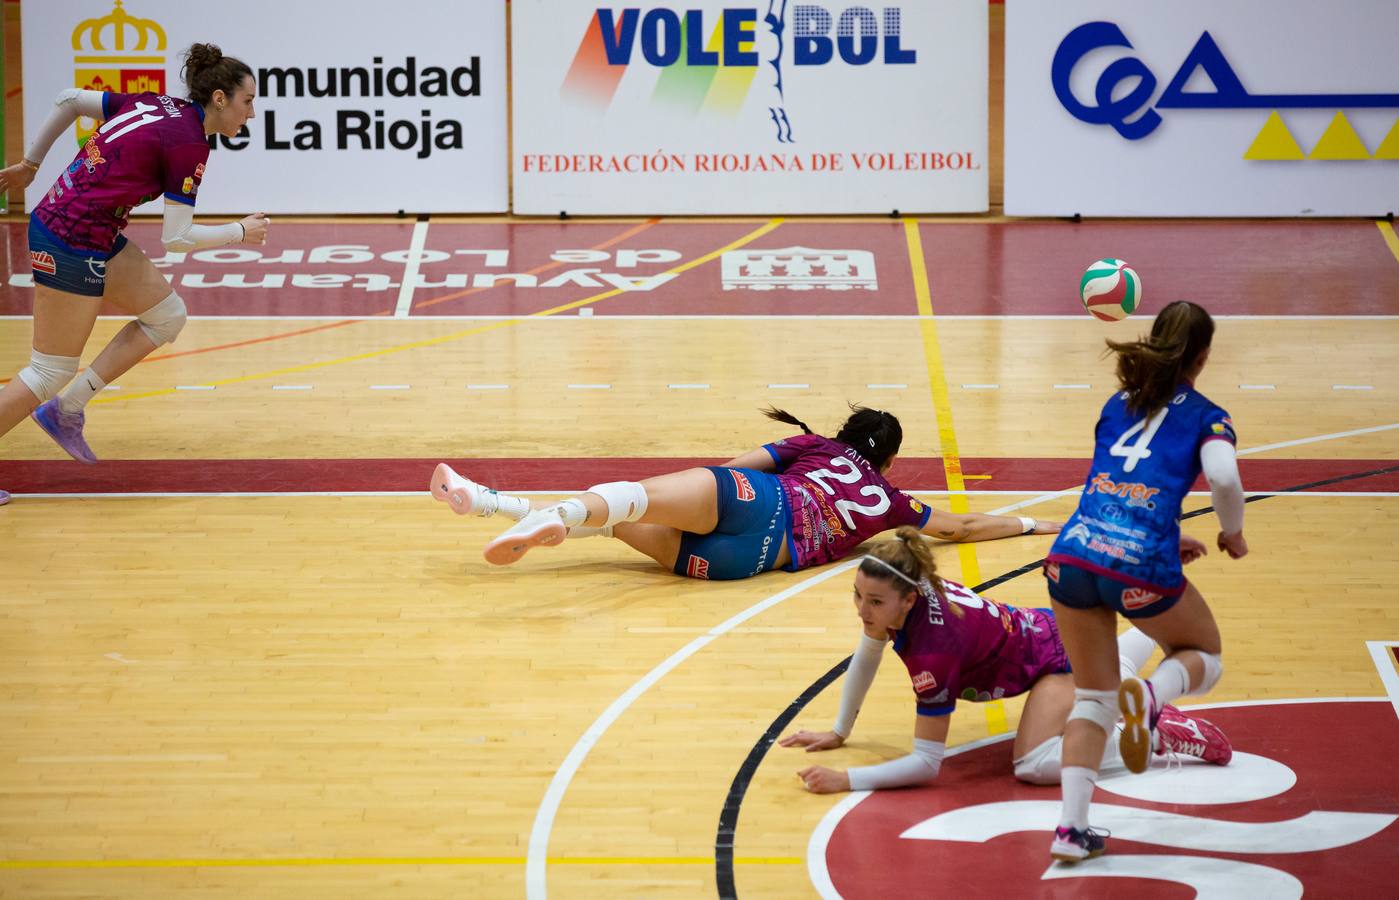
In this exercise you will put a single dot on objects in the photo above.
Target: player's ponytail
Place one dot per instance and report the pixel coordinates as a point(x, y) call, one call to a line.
point(206, 70)
point(781, 415)
point(1149, 370)
point(906, 561)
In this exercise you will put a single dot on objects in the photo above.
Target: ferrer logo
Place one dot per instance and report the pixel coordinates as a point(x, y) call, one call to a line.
point(1134, 492)
point(712, 65)
point(119, 53)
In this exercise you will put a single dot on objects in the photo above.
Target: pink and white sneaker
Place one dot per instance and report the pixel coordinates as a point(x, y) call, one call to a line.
point(457, 492)
point(4, 497)
point(540, 528)
point(1191, 736)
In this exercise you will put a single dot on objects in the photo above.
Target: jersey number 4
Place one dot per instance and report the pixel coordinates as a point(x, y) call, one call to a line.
point(143, 110)
point(850, 475)
point(1139, 450)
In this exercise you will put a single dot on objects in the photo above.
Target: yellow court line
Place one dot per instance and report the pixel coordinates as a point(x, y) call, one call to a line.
point(947, 435)
point(456, 335)
point(1390, 238)
point(387, 861)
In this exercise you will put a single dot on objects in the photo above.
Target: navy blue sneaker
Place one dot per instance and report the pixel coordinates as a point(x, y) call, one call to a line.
point(1073, 845)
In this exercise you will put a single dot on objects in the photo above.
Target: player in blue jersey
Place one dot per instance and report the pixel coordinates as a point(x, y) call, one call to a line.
point(1121, 552)
point(148, 145)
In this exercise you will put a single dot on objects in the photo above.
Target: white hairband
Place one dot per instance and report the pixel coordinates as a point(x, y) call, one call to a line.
point(892, 569)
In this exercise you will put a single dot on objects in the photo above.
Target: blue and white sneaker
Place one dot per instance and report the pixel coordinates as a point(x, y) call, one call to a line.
point(1073, 845)
point(66, 429)
point(4, 497)
point(1137, 701)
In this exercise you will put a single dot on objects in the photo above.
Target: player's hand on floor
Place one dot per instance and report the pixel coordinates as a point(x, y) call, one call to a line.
point(1191, 549)
point(1045, 527)
point(812, 740)
point(821, 780)
point(1234, 545)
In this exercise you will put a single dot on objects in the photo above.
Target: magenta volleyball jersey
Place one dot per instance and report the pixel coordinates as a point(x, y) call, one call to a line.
point(967, 647)
point(149, 145)
point(838, 500)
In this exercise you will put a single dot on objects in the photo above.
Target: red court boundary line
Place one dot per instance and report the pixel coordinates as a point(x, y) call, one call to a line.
point(563, 474)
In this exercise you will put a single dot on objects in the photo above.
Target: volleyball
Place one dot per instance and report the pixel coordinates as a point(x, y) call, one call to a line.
point(1111, 290)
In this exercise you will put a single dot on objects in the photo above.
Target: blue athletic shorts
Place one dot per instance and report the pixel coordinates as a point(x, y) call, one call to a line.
point(753, 520)
point(1082, 589)
point(58, 266)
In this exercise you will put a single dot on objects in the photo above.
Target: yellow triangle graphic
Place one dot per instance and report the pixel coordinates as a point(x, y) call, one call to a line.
point(1389, 147)
point(1339, 141)
point(1274, 142)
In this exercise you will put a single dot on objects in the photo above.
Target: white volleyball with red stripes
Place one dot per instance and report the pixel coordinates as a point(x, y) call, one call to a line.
point(1111, 290)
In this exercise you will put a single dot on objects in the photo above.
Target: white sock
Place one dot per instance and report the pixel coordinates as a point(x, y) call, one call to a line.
point(572, 511)
point(1133, 650)
point(1169, 681)
point(1112, 753)
point(582, 531)
point(80, 391)
point(514, 507)
point(1078, 784)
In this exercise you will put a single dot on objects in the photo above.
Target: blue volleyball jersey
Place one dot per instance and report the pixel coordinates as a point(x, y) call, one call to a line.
point(1127, 522)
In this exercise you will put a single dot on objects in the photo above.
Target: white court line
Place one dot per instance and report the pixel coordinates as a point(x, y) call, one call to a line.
point(410, 270)
point(488, 387)
point(1321, 437)
point(194, 387)
point(733, 317)
point(390, 387)
point(688, 387)
point(1383, 656)
point(1257, 387)
point(291, 387)
point(1072, 387)
point(777, 387)
point(590, 387)
point(981, 387)
point(887, 387)
point(1352, 387)
point(565, 492)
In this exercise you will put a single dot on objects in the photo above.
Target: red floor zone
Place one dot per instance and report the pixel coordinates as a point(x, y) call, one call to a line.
point(1308, 804)
point(1031, 475)
point(800, 268)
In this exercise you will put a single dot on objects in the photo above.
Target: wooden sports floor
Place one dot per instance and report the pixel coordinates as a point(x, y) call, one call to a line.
point(247, 655)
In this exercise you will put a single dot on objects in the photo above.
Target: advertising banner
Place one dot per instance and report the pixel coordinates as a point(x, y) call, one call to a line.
point(357, 110)
point(1201, 107)
point(749, 106)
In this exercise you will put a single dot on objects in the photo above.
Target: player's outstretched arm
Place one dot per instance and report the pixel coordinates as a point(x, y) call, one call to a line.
point(969, 527)
point(67, 107)
point(919, 767)
point(864, 663)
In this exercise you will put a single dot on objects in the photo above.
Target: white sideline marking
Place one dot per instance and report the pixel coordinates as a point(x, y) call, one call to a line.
point(291, 387)
point(981, 387)
point(887, 387)
point(1352, 387)
point(488, 387)
point(778, 387)
point(410, 270)
point(1257, 387)
point(390, 387)
point(688, 387)
point(1382, 655)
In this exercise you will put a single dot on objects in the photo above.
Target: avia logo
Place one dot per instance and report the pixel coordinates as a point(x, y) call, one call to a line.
point(1306, 819)
point(42, 261)
point(712, 65)
point(1133, 116)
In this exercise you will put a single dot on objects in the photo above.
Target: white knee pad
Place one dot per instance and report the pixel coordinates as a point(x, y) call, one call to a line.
point(626, 501)
point(1042, 764)
point(46, 375)
point(162, 323)
point(1214, 667)
point(1098, 707)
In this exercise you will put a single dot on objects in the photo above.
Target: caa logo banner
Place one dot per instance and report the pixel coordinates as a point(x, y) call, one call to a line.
point(1308, 806)
point(713, 63)
point(1122, 97)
